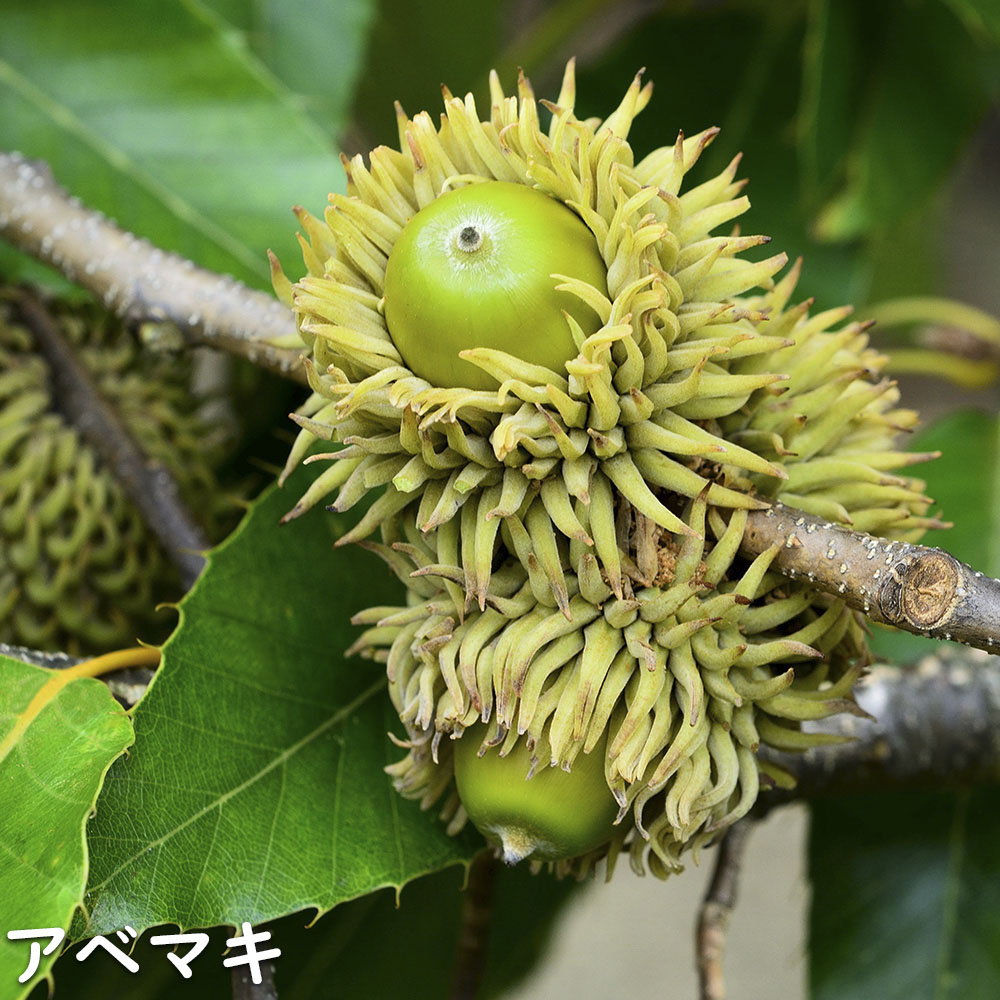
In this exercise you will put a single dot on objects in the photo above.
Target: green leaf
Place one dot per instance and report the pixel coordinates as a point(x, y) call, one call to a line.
point(964, 485)
point(898, 159)
point(314, 47)
point(906, 897)
point(756, 102)
point(348, 945)
point(981, 17)
point(417, 48)
point(58, 736)
point(157, 114)
point(256, 785)
point(526, 912)
point(842, 45)
point(456, 44)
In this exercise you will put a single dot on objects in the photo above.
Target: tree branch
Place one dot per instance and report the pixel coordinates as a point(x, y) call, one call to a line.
point(127, 685)
point(913, 587)
point(39, 658)
point(135, 279)
point(146, 482)
point(933, 725)
point(716, 909)
point(474, 933)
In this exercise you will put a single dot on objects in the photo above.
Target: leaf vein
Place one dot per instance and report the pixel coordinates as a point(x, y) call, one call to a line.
point(278, 761)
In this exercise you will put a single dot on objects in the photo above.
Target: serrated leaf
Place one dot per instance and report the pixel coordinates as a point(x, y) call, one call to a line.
point(58, 736)
point(906, 897)
point(256, 785)
point(157, 114)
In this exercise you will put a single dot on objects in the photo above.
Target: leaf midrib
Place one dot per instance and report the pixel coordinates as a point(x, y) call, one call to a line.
point(339, 716)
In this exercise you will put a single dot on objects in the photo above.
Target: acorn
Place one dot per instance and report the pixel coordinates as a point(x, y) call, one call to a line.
point(681, 683)
point(529, 809)
point(682, 376)
point(473, 268)
point(566, 514)
point(79, 570)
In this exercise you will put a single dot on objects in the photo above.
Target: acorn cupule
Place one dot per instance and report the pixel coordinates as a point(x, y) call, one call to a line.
point(564, 490)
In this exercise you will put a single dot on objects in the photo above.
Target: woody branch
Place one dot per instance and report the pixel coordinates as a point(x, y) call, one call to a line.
point(913, 587)
point(474, 930)
point(935, 724)
point(135, 279)
point(717, 909)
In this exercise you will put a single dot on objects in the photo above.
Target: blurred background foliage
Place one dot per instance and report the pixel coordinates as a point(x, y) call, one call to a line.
point(870, 134)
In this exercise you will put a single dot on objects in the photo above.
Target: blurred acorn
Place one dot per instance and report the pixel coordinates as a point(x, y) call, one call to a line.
point(79, 569)
point(568, 394)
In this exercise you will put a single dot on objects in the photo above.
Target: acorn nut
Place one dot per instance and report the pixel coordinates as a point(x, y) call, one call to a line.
point(478, 267)
point(570, 541)
point(542, 815)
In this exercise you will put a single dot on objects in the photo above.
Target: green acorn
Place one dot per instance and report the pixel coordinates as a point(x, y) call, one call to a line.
point(682, 680)
point(567, 518)
point(687, 381)
point(79, 570)
point(528, 808)
point(475, 264)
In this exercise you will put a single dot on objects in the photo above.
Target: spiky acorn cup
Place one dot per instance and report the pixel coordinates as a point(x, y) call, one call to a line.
point(681, 394)
point(676, 685)
point(79, 570)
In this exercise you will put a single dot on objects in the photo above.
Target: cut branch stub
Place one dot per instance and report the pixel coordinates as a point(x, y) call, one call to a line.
point(913, 587)
point(922, 589)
